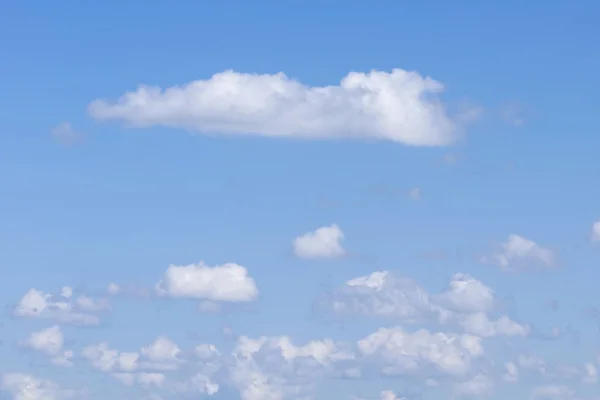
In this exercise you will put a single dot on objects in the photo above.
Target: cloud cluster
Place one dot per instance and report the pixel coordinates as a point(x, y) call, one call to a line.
point(451, 353)
point(466, 302)
point(65, 308)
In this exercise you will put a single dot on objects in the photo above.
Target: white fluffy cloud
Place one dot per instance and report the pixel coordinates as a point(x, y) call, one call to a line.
point(466, 302)
point(479, 324)
point(161, 355)
point(519, 252)
point(389, 395)
point(162, 350)
point(403, 352)
point(49, 340)
point(27, 387)
point(399, 106)
point(228, 282)
point(63, 308)
point(273, 368)
point(324, 242)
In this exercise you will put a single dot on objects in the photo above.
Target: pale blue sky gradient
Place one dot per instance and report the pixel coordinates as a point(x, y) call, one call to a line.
point(125, 203)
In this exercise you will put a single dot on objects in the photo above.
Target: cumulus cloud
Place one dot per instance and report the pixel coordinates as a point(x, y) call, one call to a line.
point(27, 387)
point(49, 340)
point(519, 252)
point(479, 324)
point(399, 106)
point(162, 350)
point(324, 242)
point(390, 395)
point(161, 355)
point(465, 302)
point(274, 368)
point(403, 352)
point(229, 282)
point(63, 308)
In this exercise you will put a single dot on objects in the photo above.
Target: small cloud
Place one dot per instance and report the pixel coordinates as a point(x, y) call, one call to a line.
point(65, 134)
point(414, 194)
point(596, 232)
point(325, 242)
point(519, 252)
point(228, 282)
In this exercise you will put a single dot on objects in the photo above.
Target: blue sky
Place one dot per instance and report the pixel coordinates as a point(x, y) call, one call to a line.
point(248, 205)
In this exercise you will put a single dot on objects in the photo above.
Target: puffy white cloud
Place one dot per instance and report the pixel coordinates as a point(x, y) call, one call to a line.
point(49, 340)
point(519, 252)
point(465, 302)
point(162, 354)
point(596, 231)
point(466, 294)
point(324, 242)
point(479, 324)
point(37, 304)
point(403, 352)
point(27, 387)
point(228, 282)
point(399, 106)
point(275, 368)
point(382, 294)
point(101, 356)
point(389, 395)
point(162, 350)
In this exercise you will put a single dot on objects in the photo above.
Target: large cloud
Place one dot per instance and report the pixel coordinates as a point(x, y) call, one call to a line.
point(400, 106)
